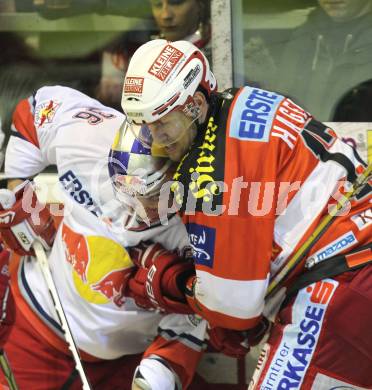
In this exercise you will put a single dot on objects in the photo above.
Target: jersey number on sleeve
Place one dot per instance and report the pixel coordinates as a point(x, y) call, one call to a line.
point(319, 139)
point(93, 115)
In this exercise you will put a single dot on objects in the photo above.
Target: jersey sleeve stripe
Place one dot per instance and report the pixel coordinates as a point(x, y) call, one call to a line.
point(23, 122)
point(233, 300)
point(15, 133)
point(184, 338)
point(221, 319)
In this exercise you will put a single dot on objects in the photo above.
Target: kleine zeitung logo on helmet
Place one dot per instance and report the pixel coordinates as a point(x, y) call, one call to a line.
point(133, 85)
point(165, 62)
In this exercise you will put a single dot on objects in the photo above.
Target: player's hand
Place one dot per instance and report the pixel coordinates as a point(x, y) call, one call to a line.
point(237, 343)
point(160, 279)
point(23, 219)
point(7, 306)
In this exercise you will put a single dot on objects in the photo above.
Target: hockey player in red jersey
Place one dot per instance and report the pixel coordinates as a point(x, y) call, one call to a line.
point(89, 257)
point(256, 175)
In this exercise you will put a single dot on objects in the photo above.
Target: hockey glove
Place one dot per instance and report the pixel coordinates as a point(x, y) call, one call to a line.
point(160, 279)
point(237, 343)
point(23, 219)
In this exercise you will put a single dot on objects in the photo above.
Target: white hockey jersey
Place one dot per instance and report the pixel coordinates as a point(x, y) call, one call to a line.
point(89, 262)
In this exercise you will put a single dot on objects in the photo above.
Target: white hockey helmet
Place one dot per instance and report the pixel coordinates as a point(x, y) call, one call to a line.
point(162, 77)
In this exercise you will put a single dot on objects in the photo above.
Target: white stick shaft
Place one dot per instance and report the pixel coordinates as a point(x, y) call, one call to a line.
point(44, 266)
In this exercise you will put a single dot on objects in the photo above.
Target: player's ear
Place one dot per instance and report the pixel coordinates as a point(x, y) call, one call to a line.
point(202, 103)
point(200, 99)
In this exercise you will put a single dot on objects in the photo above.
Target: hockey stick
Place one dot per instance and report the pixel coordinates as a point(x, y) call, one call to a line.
point(7, 371)
point(323, 226)
point(44, 267)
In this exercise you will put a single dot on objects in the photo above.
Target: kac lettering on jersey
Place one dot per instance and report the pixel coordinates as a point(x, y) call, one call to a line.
point(202, 240)
point(253, 114)
point(74, 187)
point(292, 358)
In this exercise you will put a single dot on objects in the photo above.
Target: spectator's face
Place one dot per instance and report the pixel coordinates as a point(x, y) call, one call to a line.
point(343, 10)
point(176, 19)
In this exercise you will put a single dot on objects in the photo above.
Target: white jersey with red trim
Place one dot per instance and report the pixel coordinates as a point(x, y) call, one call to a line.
point(280, 170)
point(89, 262)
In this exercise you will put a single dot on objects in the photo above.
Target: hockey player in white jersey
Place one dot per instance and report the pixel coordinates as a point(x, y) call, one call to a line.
point(89, 261)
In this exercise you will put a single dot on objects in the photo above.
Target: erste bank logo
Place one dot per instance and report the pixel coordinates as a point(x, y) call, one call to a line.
point(253, 114)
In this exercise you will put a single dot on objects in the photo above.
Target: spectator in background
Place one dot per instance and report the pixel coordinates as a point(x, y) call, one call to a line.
point(114, 63)
point(175, 19)
point(328, 55)
point(184, 19)
point(355, 105)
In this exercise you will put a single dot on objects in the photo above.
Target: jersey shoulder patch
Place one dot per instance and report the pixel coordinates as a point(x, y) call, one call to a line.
point(252, 114)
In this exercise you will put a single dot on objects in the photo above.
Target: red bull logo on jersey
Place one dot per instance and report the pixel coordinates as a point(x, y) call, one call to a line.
point(76, 251)
point(292, 358)
point(113, 285)
point(130, 185)
point(100, 267)
point(45, 112)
